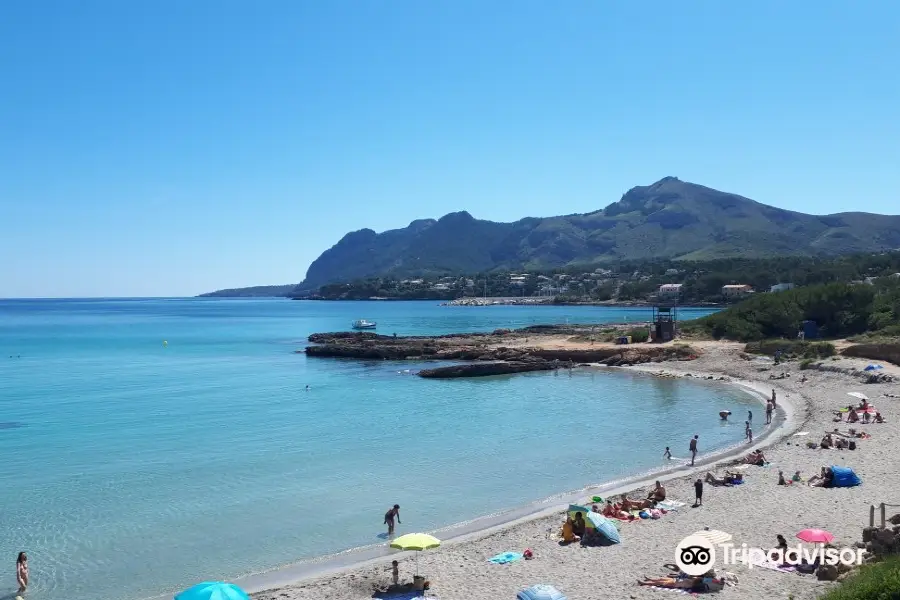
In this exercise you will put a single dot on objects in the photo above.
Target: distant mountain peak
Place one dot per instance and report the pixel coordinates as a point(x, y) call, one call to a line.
point(670, 218)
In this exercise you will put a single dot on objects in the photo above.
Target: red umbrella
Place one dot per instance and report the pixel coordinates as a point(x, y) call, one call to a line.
point(815, 536)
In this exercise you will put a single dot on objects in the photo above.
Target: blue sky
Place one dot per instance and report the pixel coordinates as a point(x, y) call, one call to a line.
point(172, 147)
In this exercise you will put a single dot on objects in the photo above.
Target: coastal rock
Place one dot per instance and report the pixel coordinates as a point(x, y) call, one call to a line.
point(485, 369)
point(498, 347)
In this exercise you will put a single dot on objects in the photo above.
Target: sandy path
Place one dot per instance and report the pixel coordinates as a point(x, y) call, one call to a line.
point(754, 512)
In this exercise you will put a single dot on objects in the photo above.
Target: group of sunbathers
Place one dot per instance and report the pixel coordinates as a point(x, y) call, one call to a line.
point(854, 411)
point(623, 508)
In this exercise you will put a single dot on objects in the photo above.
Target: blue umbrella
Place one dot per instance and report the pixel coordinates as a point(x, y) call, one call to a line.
point(541, 592)
point(213, 590)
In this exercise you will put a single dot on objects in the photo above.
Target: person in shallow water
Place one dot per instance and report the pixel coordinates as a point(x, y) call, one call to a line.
point(22, 572)
point(390, 515)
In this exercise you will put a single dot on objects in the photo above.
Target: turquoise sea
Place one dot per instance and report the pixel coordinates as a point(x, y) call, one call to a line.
point(132, 468)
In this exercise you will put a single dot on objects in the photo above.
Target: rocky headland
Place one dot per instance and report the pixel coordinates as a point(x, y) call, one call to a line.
point(499, 352)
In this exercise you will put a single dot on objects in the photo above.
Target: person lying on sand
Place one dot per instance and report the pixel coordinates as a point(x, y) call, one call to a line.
point(712, 479)
point(671, 582)
point(629, 505)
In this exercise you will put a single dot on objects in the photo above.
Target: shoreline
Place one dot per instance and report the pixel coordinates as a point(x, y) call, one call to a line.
point(306, 570)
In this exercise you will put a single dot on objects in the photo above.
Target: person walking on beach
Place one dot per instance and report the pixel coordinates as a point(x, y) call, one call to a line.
point(693, 449)
point(667, 455)
point(749, 433)
point(698, 492)
point(389, 516)
point(770, 406)
point(22, 572)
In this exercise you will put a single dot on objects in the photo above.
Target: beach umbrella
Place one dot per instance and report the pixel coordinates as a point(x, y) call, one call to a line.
point(541, 592)
point(815, 536)
point(213, 590)
point(417, 542)
point(714, 536)
point(858, 395)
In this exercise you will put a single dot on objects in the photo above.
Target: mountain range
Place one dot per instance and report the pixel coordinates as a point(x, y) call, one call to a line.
point(668, 219)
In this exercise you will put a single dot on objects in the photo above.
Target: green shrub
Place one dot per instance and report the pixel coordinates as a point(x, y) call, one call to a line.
point(640, 335)
point(839, 309)
point(806, 363)
point(791, 348)
point(880, 581)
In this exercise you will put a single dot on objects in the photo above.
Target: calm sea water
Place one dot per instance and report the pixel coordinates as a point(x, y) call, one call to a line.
point(131, 468)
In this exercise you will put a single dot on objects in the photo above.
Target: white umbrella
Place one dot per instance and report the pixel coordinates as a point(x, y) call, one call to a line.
point(858, 395)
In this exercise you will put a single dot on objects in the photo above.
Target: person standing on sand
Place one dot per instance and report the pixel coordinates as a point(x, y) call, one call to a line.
point(22, 572)
point(749, 434)
point(390, 515)
point(773, 399)
point(693, 449)
point(667, 455)
point(395, 572)
point(698, 492)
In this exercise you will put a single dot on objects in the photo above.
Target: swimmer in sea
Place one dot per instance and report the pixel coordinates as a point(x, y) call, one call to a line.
point(667, 455)
point(724, 414)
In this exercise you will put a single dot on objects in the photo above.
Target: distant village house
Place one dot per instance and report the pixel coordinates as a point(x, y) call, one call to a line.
point(669, 291)
point(736, 291)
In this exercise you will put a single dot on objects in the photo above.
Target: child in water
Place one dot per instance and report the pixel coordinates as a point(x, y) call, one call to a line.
point(667, 455)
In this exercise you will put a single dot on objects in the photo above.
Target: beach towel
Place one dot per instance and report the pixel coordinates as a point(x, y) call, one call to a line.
point(765, 563)
point(505, 557)
point(665, 589)
point(800, 433)
point(670, 504)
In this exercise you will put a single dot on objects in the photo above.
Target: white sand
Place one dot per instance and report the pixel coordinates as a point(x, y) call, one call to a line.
point(753, 512)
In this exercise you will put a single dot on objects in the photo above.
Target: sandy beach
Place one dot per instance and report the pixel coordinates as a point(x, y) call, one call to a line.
point(753, 512)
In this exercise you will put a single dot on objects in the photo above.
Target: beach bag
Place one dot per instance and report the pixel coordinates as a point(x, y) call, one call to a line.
point(644, 514)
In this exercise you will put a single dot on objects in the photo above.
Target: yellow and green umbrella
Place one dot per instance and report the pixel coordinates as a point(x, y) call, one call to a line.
point(417, 542)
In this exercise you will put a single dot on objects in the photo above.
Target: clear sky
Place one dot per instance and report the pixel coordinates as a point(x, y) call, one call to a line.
point(172, 147)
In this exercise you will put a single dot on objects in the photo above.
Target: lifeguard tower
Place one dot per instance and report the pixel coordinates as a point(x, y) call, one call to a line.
point(665, 319)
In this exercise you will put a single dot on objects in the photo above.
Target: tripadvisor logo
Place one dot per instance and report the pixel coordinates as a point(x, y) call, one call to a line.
point(695, 555)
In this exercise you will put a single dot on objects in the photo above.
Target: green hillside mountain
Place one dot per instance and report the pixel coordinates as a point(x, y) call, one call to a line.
point(668, 219)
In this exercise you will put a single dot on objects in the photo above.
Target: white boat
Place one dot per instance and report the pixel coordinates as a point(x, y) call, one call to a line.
point(363, 324)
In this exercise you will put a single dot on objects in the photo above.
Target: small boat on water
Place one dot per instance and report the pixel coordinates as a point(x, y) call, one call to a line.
point(363, 324)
